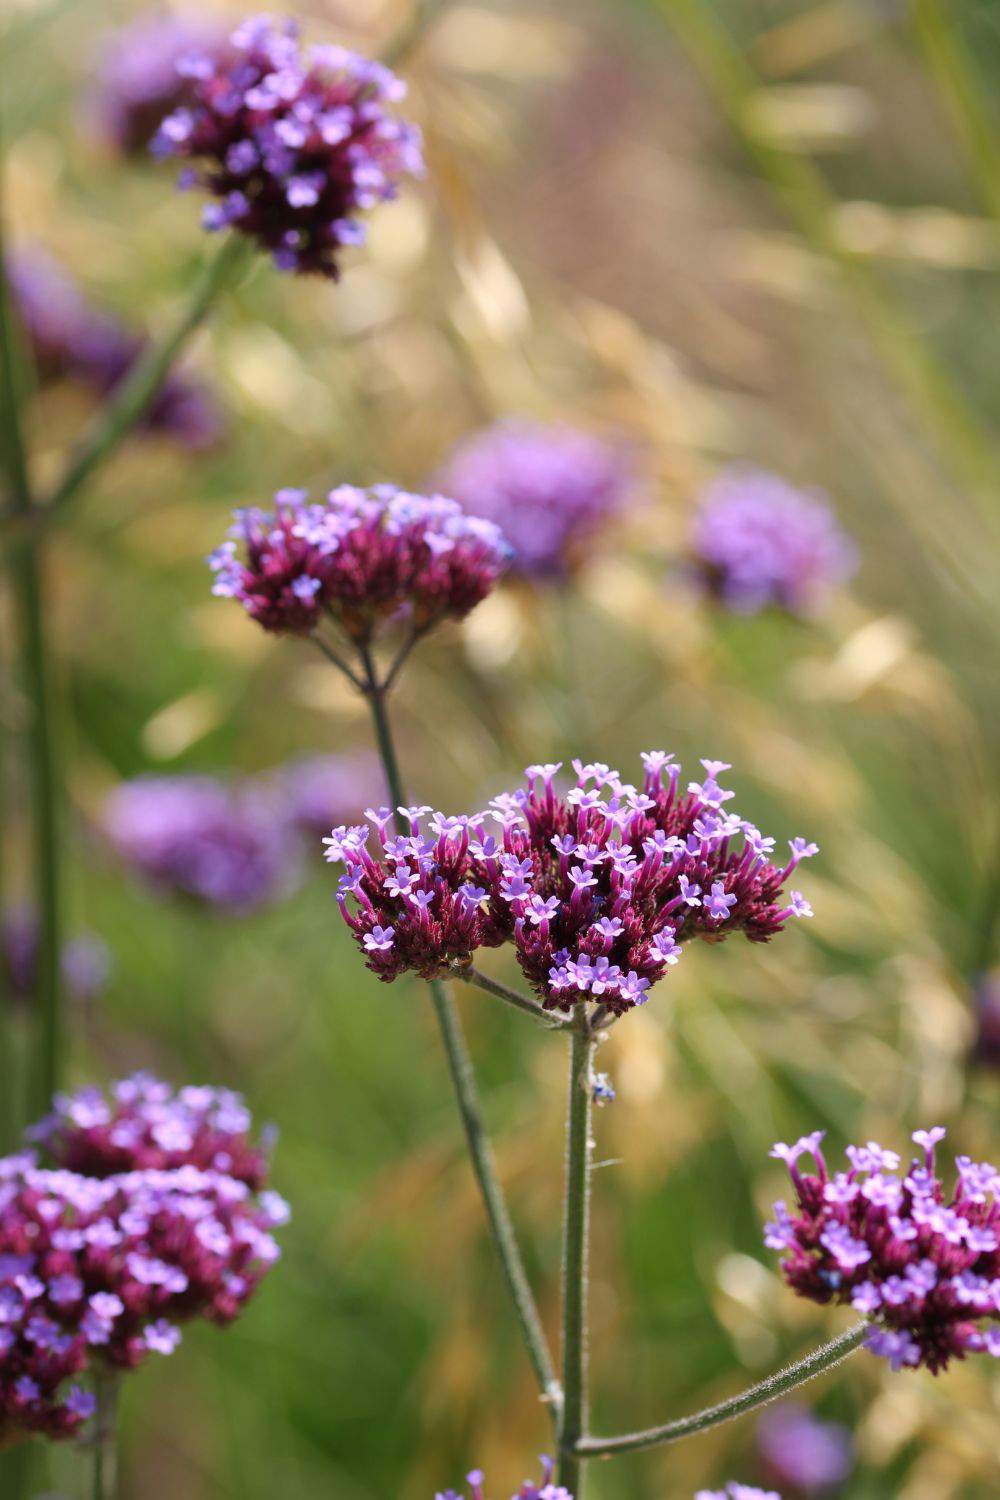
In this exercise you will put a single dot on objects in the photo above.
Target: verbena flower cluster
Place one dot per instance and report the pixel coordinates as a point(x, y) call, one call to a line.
point(221, 845)
point(138, 81)
point(86, 962)
point(799, 1451)
point(923, 1268)
point(143, 1124)
point(104, 1269)
point(596, 888)
point(71, 340)
point(363, 555)
point(551, 489)
point(292, 146)
point(546, 1490)
point(736, 1491)
point(317, 791)
point(759, 542)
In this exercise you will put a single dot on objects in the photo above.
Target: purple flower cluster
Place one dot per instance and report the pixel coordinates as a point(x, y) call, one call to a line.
point(363, 555)
point(224, 846)
point(926, 1271)
point(105, 1270)
point(802, 1453)
point(86, 961)
point(293, 146)
point(547, 1490)
point(551, 489)
point(318, 791)
point(143, 1124)
point(736, 1491)
point(597, 889)
point(71, 340)
point(759, 542)
point(138, 82)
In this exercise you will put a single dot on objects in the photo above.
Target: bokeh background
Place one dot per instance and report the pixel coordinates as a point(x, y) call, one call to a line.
point(781, 253)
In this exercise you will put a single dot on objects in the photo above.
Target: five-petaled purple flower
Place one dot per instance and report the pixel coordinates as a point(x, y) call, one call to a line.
point(292, 146)
point(546, 1490)
point(757, 542)
point(551, 489)
point(596, 888)
point(925, 1270)
point(364, 555)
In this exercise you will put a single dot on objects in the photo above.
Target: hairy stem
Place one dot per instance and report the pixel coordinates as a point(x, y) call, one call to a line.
point(28, 587)
point(466, 1093)
point(521, 1002)
point(737, 1406)
point(576, 1224)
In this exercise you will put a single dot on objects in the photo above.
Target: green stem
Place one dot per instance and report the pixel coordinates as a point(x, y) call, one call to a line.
point(809, 204)
point(960, 83)
point(737, 1406)
point(466, 1093)
point(576, 1224)
point(28, 587)
point(509, 997)
point(105, 1485)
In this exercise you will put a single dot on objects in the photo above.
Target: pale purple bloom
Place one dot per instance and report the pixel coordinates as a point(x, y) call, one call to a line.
point(138, 82)
point(802, 1453)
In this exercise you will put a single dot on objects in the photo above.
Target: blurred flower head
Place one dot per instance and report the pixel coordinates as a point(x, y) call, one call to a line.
point(596, 888)
point(142, 1123)
point(736, 1491)
point(105, 1271)
point(361, 555)
point(70, 340)
point(316, 792)
point(546, 1490)
point(222, 845)
point(138, 81)
point(803, 1454)
point(551, 489)
point(757, 542)
point(986, 1047)
point(292, 146)
point(86, 961)
point(924, 1269)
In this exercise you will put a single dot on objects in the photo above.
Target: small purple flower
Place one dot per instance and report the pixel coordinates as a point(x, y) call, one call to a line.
point(758, 542)
point(736, 1491)
point(547, 1490)
point(292, 145)
point(551, 488)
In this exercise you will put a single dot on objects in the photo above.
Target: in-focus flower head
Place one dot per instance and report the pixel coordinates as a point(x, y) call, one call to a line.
point(291, 145)
point(550, 487)
point(546, 1490)
point(70, 340)
point(142, 1123)
point(596, 889)
point(757, 542)
point(363, 555)
point(137, 79)
point(922, 1267)
point(804, 1454)
point(86, 962)
point(106, 1270)
point(223, 845)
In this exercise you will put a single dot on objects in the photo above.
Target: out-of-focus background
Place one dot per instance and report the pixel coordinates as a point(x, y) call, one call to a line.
point(740, 232)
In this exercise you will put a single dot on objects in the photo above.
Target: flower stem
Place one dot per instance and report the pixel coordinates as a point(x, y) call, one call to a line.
point(466, 1093)
point(576, 1224)
point(105, 1486)
point(954, 69)
point(28, 587)
point(758, 1395)
point(510, 997)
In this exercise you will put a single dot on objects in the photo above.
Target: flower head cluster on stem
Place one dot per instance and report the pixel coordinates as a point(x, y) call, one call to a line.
point(292, 146)
point(924, 1268)
point(596, 888)
point(546, 1490)
point(362, 556)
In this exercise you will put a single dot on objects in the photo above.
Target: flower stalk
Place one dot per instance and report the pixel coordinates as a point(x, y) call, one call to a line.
point(105, 1473)
point(576, 1240)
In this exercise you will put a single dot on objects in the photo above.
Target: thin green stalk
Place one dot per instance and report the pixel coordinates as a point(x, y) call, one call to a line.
point(466, 1093)
point(960, 83)
point(576, 1226)
point(28, 589)
point(105, 1474)
point(806, 199)
point(737, 1406)
point(511, 997)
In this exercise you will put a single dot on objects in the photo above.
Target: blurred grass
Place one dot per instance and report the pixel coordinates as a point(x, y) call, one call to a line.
point(590, 244)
